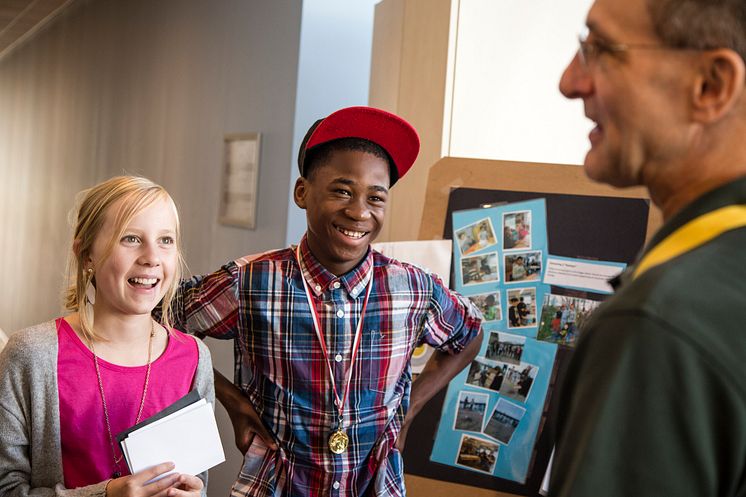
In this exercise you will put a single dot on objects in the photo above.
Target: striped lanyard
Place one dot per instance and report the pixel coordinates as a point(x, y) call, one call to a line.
point(339, 402)
point(693, 234)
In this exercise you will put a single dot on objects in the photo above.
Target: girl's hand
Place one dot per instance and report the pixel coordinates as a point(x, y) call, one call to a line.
point(136, 485)
point(186, 486)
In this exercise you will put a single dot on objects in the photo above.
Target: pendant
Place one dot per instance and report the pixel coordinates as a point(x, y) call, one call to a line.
point(338, 441)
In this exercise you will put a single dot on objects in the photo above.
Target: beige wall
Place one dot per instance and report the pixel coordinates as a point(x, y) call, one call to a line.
point(143, 87)
point(140, 87)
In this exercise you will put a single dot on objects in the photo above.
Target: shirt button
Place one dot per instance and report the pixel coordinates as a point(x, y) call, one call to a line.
point(338, 357)
point(336, 284)
point(336, 485)
point(318, 288)
point(340, 313)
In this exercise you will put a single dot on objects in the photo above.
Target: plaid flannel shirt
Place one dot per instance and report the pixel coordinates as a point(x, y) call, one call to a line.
point(280, 366)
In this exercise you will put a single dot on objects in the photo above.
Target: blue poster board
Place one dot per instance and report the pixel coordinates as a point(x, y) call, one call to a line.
point(493, 409)
point(578, 221)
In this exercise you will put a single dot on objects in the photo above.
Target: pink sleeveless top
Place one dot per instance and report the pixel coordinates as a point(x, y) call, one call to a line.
point(86, 451)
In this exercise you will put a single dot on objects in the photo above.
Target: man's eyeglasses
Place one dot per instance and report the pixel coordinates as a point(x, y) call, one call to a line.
point(591, 50)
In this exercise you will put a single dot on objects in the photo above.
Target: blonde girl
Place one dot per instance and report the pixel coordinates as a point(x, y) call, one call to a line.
point(68, 386)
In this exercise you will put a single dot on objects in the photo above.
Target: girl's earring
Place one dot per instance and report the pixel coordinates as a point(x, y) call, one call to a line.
point(90, 290)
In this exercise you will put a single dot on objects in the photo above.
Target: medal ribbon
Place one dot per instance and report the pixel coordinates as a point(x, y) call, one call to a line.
point(340, 403)
point(693, 234)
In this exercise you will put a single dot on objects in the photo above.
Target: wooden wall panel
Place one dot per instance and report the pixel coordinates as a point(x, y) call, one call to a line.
point(417, 92)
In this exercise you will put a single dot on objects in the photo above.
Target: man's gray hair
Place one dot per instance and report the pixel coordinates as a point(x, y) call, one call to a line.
point(701, 24)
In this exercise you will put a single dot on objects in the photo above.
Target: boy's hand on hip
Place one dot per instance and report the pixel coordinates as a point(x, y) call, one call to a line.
point(247, 425)
point(403, 434)
point(246, 422)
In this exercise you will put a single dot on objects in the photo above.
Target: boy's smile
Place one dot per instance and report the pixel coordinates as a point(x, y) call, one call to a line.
point(345, 202)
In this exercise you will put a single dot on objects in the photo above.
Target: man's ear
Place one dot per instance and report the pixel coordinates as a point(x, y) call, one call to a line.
point(719, 85)
point(300, 191)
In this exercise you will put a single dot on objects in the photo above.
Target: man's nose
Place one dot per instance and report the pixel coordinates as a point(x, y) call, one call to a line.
point(576, 81)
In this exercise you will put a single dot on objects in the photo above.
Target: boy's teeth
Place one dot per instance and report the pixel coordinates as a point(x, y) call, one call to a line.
point(145, 281)
point(353, 234)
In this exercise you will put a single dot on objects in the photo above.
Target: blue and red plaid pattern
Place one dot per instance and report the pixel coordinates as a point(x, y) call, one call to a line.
point(280, 366)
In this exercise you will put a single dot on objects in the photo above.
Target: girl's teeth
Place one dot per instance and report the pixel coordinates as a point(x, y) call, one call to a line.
point(145, 281)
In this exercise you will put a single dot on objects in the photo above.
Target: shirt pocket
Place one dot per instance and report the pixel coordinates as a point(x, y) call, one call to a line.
point(388, 351)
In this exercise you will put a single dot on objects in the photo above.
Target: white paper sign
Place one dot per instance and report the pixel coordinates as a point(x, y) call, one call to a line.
point(584, 275)
point(433, 255)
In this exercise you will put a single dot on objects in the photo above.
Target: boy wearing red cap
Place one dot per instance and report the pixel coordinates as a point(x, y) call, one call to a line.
point(324, 331)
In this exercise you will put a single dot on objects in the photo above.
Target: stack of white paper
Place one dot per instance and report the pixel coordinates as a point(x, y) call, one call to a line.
point(188, 437)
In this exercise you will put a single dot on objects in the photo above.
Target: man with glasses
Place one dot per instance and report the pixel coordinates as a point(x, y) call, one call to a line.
point(654, 401)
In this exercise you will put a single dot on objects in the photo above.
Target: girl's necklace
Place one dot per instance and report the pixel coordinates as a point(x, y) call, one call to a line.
point(117, 468)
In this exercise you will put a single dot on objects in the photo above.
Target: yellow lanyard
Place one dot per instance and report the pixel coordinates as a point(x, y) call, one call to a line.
point(693, 234)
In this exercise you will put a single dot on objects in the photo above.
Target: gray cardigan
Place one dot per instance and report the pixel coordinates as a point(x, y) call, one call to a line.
point(30, 415)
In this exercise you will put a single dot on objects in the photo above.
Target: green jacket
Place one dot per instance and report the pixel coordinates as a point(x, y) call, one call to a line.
point(654, 401)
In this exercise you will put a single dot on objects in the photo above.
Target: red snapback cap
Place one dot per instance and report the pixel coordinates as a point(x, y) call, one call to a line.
point(392, 133)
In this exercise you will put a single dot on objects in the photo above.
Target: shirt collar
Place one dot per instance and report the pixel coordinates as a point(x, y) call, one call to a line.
point(320, 279)
point(732, 193)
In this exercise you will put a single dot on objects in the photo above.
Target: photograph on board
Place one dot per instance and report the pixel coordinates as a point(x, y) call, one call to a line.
point(504, 420)
point(521, 307)
point(489, 305)
point(505, 347)
point(475, 236)
point(522, 266)
point(477, 454)
point(470, 411)
point(517, 230)
point(476, 269)
point(563, 317)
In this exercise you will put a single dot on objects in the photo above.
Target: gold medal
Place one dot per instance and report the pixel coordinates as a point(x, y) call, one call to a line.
point(338, 441)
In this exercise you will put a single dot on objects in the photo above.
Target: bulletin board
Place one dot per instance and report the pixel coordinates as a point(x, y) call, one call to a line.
point(585, 220)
